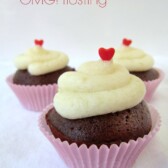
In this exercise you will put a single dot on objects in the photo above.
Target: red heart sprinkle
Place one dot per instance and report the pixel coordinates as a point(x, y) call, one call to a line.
point(39, 42)
point(106, 54)
point(127, 42)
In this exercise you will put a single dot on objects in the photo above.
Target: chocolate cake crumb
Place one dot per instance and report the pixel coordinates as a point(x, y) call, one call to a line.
point(149, 75)
point(23, 77)
point(112, 128)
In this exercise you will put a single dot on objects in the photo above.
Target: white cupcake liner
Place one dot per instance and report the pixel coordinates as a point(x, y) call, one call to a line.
point(34, 98)
point(122, 156)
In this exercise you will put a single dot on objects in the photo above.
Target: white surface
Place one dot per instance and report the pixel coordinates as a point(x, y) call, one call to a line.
point(23, 145)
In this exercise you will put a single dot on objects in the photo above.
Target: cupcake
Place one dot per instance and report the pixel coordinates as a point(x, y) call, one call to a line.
point(140, 64)
point(35, 80)
point(100, 120)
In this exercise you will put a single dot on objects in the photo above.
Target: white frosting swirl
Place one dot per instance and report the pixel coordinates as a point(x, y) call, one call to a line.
point(133, 59)
point(39, 61)
point(97, 88)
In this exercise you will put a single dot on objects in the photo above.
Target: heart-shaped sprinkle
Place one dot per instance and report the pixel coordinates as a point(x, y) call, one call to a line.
point(106, 54)
point(126, 42)
point(38, 42)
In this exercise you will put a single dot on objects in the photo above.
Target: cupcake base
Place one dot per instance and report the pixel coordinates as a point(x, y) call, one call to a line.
point(152, 85)
point(23, 77)
point(148, 75)
point(122, 156)
point(120, 126)
point(34, 98)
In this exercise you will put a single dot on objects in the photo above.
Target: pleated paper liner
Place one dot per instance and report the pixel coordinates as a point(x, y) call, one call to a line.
point(34, 98)
point(151, 86)
point(122, 156)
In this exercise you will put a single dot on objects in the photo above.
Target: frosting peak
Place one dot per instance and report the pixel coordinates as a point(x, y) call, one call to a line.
point(38, 61)
point(97, 88)
point(133, 59)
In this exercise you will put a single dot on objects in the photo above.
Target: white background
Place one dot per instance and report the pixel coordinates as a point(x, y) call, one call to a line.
point(78, 30)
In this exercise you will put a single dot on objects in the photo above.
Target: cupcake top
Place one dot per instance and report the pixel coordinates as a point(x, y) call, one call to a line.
point(132, 58)
point(39, 61)
point(97, 88)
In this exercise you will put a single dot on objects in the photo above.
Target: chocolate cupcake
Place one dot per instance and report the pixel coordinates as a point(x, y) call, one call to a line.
point(39, 66)
point(36, 77)
point(140, 64)
point(112, 128)
point(23, 77)
point(101, 113)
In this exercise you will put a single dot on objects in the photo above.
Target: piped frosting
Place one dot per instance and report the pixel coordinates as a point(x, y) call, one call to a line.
point(133, 59)
point(39, 61)
point(97, 88)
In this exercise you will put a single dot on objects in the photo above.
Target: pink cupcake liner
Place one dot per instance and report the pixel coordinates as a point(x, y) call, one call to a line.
point(122, 156)
point(34, 98)
point(151, 86)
